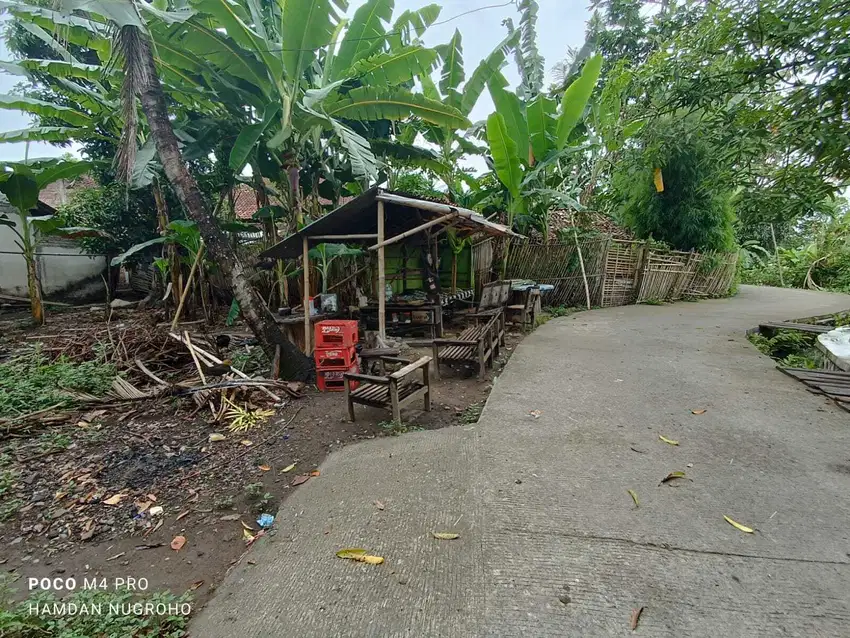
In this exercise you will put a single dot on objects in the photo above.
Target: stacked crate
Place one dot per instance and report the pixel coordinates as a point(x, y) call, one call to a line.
point(335, 353)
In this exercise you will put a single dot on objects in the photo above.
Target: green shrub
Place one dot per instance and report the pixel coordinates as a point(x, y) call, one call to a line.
point(695, 209)
point(30, 382)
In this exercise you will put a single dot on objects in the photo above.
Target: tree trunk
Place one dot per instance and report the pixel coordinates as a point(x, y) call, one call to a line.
point(294, 365)
point(34, 288)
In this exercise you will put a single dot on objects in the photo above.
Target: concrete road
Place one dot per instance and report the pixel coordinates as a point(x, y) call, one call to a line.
point(551, 543)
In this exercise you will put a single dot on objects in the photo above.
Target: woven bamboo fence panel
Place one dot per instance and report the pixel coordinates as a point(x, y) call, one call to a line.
point(717, 280)
point(661, 275)
point(558, 264)
point(621, 273)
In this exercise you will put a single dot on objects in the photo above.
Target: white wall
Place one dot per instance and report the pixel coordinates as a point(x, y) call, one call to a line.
point(62, 264)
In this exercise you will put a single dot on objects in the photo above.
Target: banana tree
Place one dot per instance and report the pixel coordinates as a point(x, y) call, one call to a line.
point(21, 183)
point(455, 90)
point(457, 244)
point(300, 91)
point(325, 254)
point(528, 139)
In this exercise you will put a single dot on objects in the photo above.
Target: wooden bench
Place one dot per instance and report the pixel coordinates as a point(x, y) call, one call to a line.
point(392, 391)
point(479, 343)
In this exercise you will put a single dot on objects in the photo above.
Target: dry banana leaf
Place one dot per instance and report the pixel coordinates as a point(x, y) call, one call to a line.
point(445, 536)
point(360, 555)
point(673, 475)
point(633, 622)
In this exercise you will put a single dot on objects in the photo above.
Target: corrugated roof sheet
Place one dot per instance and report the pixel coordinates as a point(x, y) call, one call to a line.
point(402, 213)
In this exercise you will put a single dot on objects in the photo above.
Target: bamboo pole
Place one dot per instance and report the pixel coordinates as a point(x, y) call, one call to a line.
point(583, 272)
point(188, 285)
point(776, 253)
point(392, 240)
point(305, 296)
point(382, 275)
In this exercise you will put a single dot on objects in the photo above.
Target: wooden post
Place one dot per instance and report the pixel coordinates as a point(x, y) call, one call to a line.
point(382, 276)
point(306, 297)
point(776, 254)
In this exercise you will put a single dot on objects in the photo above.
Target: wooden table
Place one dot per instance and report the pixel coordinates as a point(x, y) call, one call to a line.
point(434, 324)
point(293, 327)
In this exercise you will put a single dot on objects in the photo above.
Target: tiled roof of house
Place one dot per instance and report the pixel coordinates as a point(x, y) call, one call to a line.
point(245, 201)
point(59, 192)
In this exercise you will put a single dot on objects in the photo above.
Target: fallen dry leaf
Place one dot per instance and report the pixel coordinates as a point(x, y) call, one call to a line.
point(379, 505)
point(215, 436)
point(699, 411)
point(263, 468)
point(178, 542)
point(195, 585)
point(246, 442)
point(250, 541)
point(315, 473)
point(182, 514)
point(634, 497)
point(230, 517)
point(673, 475)
point(445, 536)
point(633, 622)
point(288, 468)
point(246, 526)
point(301, 479)
point(668, 441)
point(142, 506)
point(535, 413)
point(114, 500)
point(359, 555)
point(737, 525)
point(151, 497)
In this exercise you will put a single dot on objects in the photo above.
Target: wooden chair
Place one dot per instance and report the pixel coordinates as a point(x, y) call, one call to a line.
point(478, 344)
point(525, 313)
point(392, 391)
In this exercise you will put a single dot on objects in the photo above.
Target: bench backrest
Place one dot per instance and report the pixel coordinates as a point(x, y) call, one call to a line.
point(494, 295)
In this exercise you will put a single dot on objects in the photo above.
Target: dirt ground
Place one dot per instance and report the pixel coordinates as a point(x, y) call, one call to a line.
point(157, 454)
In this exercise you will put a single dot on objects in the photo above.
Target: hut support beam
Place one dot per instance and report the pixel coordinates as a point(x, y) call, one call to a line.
point(306, 297)
point(382, 276)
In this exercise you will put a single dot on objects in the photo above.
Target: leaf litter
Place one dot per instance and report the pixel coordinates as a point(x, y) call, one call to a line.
point(738, 526)
point(359, 555)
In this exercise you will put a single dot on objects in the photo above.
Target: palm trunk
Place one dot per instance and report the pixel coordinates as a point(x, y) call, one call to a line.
point(294, 365)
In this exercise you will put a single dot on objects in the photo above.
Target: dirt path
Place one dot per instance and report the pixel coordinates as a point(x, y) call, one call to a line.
point(551, 543)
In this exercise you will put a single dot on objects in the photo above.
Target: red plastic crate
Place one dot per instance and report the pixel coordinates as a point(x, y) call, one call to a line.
point(335, 358)
point(334, 380)
point(336, 333)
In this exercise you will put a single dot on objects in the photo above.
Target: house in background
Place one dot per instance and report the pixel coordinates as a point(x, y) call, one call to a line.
point(67, 272)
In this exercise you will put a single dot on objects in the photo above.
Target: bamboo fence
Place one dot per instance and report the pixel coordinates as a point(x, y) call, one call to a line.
point(619, 272)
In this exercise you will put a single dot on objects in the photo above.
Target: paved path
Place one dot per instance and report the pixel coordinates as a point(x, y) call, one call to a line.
point(551, 544)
